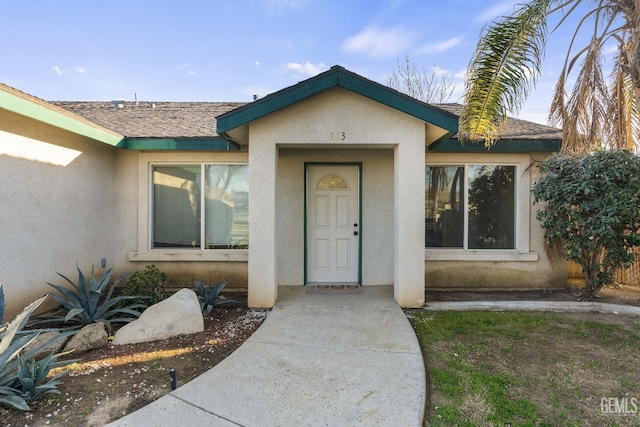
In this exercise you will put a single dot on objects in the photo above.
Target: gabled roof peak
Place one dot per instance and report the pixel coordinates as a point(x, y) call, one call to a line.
point(337, 76)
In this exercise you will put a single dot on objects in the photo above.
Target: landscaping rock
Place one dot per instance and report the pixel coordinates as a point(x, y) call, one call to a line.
point(54, 347)
point(177, 315)
point(89, 337)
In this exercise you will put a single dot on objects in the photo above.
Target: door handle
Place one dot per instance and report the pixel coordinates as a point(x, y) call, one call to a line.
point(355, 233)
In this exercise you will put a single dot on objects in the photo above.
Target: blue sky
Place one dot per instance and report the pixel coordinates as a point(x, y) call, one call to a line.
point(229, 50)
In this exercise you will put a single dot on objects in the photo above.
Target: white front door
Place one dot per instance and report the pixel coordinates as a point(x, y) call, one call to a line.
point(333, 224)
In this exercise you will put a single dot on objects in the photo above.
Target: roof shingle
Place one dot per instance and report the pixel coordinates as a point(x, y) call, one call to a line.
point(153, 120)
point(198, 119)
point(515, 128)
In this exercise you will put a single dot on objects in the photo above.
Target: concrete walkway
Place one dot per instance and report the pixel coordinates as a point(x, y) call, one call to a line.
point(556, 306)
point(317, 360)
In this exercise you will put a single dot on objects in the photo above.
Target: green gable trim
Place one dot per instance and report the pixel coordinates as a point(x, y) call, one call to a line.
point(41, 112)
point(336, 77)
point(178, 144)
point(453, 145)
point(442, 139)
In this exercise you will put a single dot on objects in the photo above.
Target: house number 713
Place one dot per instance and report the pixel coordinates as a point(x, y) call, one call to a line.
point(337, 136)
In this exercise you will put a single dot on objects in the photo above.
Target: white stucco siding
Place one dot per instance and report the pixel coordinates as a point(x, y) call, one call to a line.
point(377, 219)
point(322, 119)
point(56, 207)
point(126, 207)
point(262, 281)
point(409, 224)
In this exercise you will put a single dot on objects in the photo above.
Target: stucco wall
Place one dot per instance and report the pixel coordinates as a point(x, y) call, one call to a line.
point(126, 208)
point(56, 207)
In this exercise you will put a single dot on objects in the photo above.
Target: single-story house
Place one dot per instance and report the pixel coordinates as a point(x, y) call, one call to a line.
point(336, 179)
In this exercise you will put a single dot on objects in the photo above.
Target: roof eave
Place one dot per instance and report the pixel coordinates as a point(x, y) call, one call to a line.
point(42, 111)
point(215, 143)
point(531, 145)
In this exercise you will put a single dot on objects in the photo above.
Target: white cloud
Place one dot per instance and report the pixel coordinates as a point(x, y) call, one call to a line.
point(306, 69)
point(462, 74)
point(379, 43)
point(81, 70)
point(501, 8)
point(275, 5)
point(439, 47)
point(186, 67)
point(257, 63)
point(439, 71)
point(57, 70)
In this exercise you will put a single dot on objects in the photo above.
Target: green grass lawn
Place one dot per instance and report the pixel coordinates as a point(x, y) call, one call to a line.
point(530, 369)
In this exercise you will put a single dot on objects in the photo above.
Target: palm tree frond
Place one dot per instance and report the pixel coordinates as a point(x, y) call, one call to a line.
point(623, 110)
point(592, 114)
point(586, 125)
point(558, 110)
point(505, 63)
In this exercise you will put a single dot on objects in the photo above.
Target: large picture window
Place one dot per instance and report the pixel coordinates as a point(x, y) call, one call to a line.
point(202, 206)
point(470, 206)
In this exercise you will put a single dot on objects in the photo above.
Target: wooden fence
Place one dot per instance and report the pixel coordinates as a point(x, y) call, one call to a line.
point(629, 276)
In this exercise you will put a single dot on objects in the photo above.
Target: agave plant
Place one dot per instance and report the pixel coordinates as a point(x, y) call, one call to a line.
point(32, 375)
point(13, 341)
point(87, 302)
point(210, 296)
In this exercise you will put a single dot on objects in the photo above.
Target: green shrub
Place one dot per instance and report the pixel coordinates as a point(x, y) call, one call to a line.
point(87, 301)
point(147, 286)
point(21, 378)
point(210, 296)
point(592, 209)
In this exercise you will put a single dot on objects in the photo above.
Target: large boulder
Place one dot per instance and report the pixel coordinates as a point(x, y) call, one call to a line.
point(93, 335)
point(54, 347)
point(177, 315)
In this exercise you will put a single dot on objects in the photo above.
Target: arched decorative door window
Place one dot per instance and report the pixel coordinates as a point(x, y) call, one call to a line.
point(333, 181)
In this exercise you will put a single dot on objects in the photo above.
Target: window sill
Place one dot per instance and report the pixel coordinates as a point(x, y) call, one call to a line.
point(234, 255)
point(462, 255)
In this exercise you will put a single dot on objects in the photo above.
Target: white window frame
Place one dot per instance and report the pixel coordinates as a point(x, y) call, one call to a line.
point(145, 251)
point(522, 208)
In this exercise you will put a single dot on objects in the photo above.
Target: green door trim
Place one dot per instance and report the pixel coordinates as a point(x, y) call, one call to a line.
point(306, 201)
